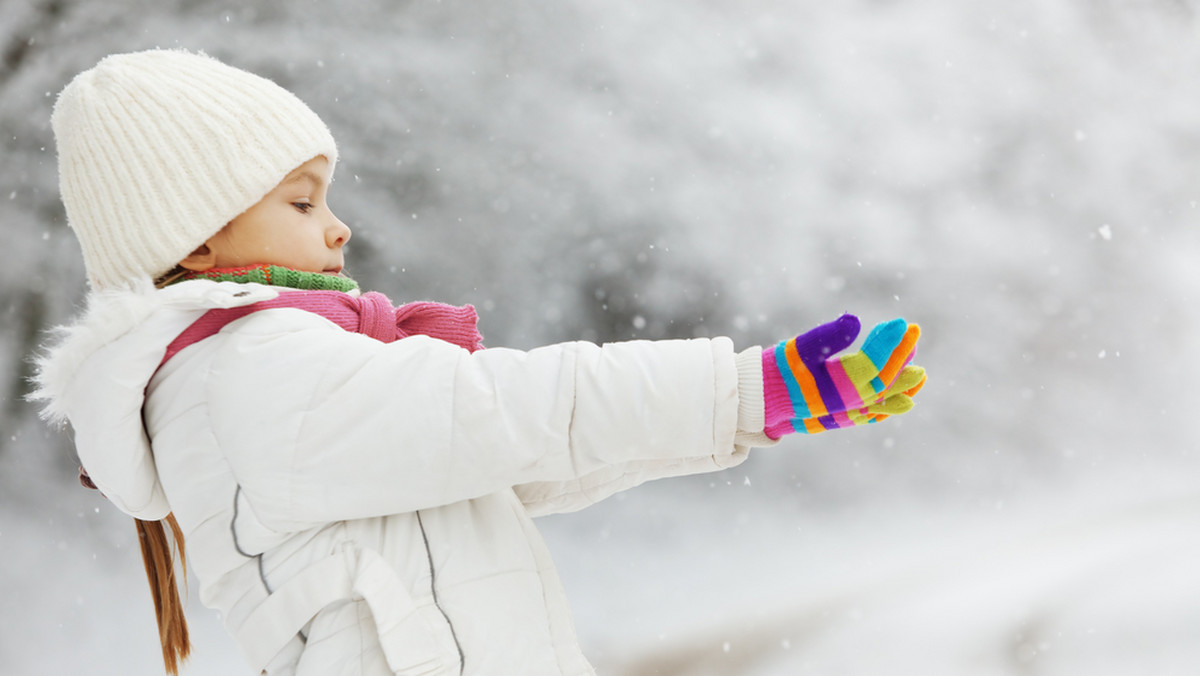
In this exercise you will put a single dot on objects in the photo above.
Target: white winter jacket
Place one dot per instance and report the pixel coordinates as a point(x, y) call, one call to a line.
point(356, 507)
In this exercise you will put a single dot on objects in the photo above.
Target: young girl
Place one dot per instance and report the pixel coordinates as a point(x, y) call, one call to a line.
point(356, 482)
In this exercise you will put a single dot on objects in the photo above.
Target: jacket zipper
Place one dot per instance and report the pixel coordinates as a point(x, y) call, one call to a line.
point(462, 662)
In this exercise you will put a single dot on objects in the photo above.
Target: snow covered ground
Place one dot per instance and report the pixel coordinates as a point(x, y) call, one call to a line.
point(1100, 577)
point(1097, 576)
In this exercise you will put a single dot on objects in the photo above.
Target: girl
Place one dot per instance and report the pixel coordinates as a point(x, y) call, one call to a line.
point(356, 482)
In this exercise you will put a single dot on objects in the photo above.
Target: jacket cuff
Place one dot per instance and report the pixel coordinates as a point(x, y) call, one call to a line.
point(751, 413)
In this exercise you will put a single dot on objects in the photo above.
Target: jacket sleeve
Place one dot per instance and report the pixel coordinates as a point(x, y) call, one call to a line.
point(551, 497)
point(321, 425)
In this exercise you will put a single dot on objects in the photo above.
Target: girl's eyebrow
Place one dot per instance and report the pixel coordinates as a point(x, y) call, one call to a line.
point(310, 176)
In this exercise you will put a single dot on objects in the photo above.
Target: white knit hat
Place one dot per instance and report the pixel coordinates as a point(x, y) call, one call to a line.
point(158, 150)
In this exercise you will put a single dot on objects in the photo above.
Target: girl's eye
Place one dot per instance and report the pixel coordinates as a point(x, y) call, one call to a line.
point(302, 207)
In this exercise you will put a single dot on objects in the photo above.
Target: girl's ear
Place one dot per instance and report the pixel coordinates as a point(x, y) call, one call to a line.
point(203, 258)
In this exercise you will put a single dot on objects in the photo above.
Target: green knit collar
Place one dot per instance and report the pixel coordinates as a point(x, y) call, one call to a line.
point(275, 275)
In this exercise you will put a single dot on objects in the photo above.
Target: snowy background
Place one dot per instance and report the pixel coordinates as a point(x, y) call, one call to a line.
point(1019, 177)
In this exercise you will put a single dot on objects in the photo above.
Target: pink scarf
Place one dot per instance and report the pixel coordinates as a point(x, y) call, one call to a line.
point(370, 314)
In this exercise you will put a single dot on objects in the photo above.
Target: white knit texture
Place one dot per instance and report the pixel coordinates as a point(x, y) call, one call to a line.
point(158, 150)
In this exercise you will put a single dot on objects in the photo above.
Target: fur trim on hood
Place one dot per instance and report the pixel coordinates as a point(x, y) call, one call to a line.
point(95, 372)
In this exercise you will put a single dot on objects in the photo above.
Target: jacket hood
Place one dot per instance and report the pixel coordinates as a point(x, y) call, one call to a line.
point(93, 375)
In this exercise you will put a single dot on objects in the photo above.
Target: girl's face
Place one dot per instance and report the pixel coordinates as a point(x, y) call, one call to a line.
point(291, 226)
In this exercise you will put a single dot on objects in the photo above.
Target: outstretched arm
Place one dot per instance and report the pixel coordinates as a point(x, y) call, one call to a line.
point(342, 426)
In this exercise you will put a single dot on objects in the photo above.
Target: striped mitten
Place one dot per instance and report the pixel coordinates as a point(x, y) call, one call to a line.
point(809, 388)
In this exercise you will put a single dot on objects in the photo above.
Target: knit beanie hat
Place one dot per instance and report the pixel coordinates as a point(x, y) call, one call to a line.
point(158, 150)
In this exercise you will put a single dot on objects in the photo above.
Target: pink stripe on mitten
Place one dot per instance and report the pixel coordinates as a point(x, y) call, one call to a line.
point(776, 404)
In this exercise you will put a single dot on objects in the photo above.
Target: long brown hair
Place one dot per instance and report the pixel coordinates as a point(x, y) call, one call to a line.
point(159, 557)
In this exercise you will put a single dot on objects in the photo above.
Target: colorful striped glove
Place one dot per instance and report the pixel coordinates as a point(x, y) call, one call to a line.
point(808, 388)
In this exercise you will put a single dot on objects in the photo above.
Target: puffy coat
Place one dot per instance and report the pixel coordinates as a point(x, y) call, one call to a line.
point(356, 507)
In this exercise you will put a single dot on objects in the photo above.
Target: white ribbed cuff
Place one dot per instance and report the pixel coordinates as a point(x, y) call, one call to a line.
point(751, 411)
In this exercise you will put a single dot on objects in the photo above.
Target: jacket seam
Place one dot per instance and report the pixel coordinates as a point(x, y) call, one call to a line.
point(462, 661)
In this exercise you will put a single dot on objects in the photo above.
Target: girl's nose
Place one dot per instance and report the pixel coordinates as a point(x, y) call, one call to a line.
point(337, 234)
